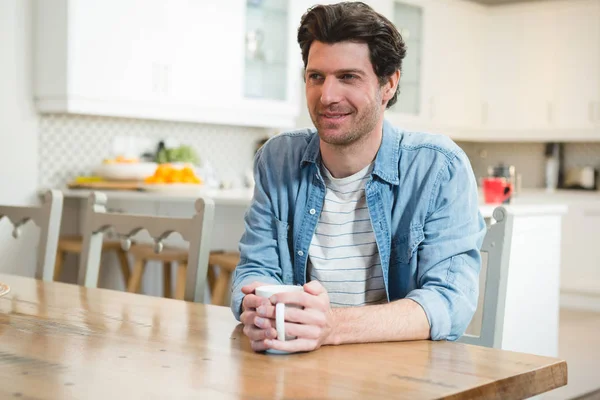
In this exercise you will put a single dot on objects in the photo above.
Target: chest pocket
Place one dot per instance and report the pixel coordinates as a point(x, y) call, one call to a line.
point(405, 245)
point(283, 249)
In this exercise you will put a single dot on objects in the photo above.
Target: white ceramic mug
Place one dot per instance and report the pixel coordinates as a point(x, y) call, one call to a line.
point(267, 292)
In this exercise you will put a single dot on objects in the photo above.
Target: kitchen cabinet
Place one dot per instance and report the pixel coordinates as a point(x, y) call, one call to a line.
point(541, 76)
point(454, 64)
point(520, 69)
point(448, 64)
point(577, 82)
point(580, 259)
point(108, 58)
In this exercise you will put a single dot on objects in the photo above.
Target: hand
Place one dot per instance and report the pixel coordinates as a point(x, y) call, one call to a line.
point(256, 328)
point(312, 325)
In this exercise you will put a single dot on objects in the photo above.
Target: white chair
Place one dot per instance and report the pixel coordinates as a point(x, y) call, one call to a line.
point(196, 230)
point(47, 218)
point(488, 322)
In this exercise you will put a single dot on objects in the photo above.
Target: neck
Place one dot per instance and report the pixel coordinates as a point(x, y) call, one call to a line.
point(345, 160)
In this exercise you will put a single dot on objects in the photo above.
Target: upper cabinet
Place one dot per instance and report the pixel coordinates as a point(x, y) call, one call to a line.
point(185, 60)
point(527, 71)
point(408, 19)
point(440, 85)
point(577, 82)
point(542, 71)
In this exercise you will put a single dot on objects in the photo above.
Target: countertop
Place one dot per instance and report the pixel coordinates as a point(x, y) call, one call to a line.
point(527, 202)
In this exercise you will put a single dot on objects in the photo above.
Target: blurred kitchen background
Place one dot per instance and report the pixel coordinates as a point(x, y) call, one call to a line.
point(514, 83)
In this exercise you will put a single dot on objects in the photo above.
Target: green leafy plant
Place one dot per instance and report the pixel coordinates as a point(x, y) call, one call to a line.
point(183, 154)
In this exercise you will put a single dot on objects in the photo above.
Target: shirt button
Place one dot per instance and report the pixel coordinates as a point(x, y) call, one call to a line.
point(312, 211)
point(300, 253)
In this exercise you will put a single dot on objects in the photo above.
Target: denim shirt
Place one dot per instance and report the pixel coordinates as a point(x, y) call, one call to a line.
point(423, 204)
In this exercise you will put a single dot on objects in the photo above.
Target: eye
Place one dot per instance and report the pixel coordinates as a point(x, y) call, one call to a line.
point(314, 77)
point(348, 77)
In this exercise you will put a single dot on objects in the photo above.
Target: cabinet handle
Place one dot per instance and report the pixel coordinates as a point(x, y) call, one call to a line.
point(591, 111)
point(550, 112)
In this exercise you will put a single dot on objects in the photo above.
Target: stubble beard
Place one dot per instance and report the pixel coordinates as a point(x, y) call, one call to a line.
point(360, 128)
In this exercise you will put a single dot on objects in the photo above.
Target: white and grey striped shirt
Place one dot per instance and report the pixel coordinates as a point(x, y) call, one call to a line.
point(343, 254)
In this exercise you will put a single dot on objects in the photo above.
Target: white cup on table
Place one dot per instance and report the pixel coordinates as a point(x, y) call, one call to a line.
point(267, 292)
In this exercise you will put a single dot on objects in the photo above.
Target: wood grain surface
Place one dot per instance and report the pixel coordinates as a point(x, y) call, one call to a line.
point(62, 341)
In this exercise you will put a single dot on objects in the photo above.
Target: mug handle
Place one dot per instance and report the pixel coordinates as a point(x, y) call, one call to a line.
point(280, 321)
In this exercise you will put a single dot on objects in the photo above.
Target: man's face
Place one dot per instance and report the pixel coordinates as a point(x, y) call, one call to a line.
point(343, 95)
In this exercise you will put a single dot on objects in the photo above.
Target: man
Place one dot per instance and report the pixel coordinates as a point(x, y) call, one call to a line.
point(381, 226)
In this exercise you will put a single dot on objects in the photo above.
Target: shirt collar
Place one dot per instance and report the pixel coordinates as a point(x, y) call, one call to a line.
point(386, 161)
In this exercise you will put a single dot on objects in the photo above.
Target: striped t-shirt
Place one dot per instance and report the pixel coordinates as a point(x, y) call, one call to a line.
point(343, 254)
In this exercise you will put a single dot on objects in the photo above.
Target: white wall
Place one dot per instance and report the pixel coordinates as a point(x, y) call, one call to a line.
point(18, 131)
point(18, 119)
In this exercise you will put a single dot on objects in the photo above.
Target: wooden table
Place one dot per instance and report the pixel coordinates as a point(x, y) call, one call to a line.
point(61, 341)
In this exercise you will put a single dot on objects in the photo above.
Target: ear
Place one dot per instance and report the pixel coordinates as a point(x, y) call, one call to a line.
point(389, 88)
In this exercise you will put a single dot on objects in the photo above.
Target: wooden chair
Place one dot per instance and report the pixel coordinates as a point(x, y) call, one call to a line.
point(196, 230)
point(143, 253)
point(47, 218)
point(73, 244)
point(225, 262)
point(488, 322)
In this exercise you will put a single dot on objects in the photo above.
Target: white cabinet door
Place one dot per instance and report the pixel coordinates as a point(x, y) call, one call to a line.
point(179, 60)
point(577, 37)
point(580, 261)
point(451, 68)
point(454, 63)
point(520, 68)
point(115, 51)
point(204, 47)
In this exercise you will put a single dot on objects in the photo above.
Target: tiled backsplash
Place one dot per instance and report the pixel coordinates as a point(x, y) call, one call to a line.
point(528, 158)
point(73, 145)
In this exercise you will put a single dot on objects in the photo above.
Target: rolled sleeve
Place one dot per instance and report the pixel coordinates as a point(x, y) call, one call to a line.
point(449, 260)
point(437, 310)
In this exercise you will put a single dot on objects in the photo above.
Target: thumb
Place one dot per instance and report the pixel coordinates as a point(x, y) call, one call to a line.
point(249, 289)
point(315, 288)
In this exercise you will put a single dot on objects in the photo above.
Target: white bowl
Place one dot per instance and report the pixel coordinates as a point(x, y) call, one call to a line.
point(126, 171)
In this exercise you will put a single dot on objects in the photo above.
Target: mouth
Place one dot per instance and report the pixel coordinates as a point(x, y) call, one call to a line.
point(334, 117)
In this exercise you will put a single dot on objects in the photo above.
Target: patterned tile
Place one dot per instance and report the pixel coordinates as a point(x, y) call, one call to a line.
point(72, 145)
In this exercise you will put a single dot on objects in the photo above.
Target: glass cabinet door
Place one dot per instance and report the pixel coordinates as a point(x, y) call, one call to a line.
point(266, 65)
point(409, 22)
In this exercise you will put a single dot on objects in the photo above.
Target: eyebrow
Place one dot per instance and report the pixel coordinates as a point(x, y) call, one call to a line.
point(337, 72)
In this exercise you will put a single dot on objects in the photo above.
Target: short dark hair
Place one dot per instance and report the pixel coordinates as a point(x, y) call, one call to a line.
point(356, 22)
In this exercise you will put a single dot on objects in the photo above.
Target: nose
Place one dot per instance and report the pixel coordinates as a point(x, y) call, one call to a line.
point(330, 91)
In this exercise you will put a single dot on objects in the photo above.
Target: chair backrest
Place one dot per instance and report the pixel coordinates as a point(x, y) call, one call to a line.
point(196, 230)
point(488, 322)
point(47, 218)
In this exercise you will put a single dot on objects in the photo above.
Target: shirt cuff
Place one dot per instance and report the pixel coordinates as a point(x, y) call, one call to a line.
point(237, 296)
point(436, 308)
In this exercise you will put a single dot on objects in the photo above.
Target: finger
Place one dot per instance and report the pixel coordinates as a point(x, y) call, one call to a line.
point(306, 317)
point(301, 331)
point(255, 333)
point(247, 317)
point(251, 287)
point(315, 288)
point(252, 301)
point(266, 310)
point(301, 299)
point(264, 323)
point(258, 345)
point(292, 346)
